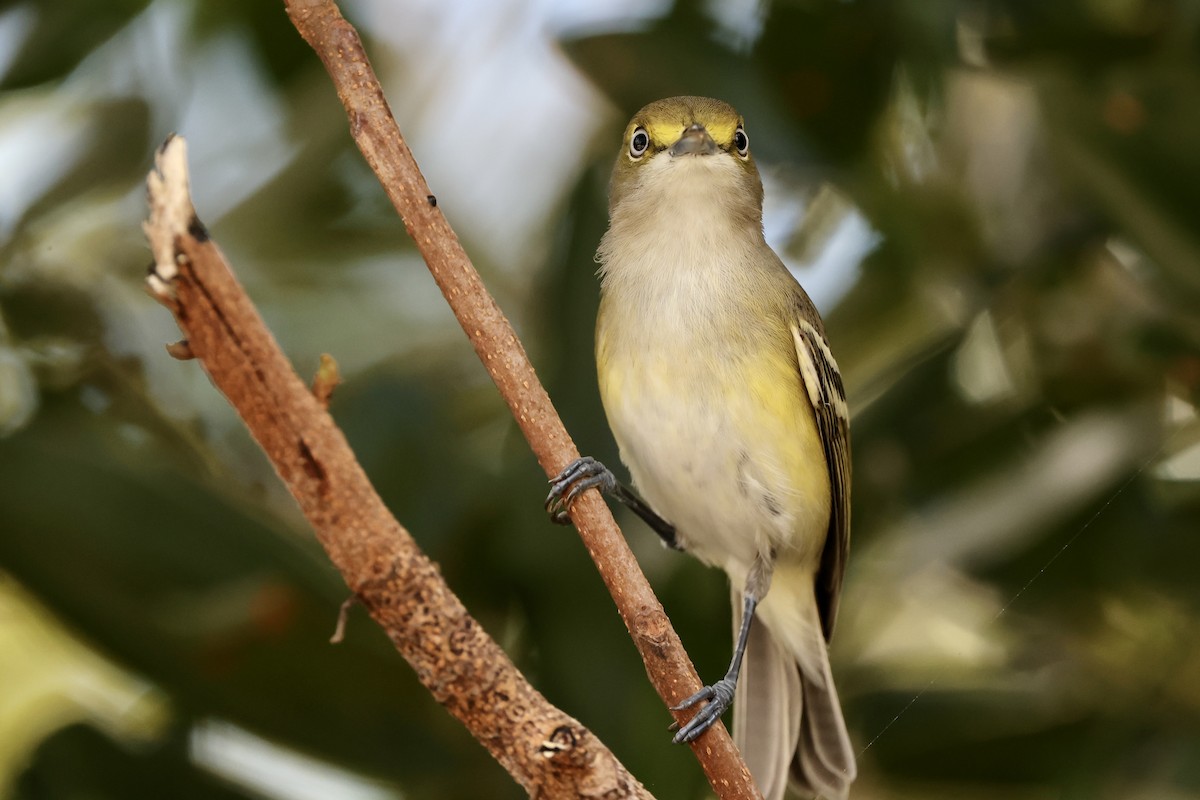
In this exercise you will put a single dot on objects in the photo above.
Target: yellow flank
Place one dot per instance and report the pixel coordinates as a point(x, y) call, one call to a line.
point(778, 426)
point(775, 389)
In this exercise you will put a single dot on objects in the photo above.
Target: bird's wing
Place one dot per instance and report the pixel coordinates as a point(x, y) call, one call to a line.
point(828, 397)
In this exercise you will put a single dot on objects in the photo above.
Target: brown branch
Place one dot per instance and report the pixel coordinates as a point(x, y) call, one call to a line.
point(378, 137)
point(547, 752)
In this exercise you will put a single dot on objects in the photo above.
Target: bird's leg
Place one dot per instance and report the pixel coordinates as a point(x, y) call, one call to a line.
point(720, 694)
point(588, 473)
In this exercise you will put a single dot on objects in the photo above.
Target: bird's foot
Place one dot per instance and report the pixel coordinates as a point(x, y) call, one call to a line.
point(719, 697)
point(579, 476)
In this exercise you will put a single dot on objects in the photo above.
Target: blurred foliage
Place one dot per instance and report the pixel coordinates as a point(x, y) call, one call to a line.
point(1016, 184)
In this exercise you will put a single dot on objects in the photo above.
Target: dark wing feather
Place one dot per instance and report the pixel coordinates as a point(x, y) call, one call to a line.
point(828, 396)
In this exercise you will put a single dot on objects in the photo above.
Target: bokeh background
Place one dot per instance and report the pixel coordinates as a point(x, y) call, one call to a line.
point(994, 203)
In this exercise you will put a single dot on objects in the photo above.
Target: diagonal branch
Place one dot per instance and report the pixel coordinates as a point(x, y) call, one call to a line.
point(550, 754)
point(378, 137)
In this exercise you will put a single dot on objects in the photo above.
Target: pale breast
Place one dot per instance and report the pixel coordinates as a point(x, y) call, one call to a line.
point(717, 433)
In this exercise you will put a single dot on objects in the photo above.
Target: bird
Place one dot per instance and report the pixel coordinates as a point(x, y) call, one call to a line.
point(730, 414)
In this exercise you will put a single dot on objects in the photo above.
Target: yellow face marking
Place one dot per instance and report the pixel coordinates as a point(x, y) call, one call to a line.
point(664, 133)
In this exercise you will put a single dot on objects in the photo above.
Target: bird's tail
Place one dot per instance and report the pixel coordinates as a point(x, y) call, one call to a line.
point(787, 717)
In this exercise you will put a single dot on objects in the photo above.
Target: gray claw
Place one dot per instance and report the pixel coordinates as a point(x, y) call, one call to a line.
point(579, 476)
point(719, 697)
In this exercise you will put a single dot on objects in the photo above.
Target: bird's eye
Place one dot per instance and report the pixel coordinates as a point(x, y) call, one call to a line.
point(741, 142)
point(639, 143)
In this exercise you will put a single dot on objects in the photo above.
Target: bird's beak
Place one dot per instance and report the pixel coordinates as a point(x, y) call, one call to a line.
point(695, 141)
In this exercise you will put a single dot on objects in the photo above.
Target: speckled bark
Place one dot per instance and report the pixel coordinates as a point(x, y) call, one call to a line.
point(550, 754)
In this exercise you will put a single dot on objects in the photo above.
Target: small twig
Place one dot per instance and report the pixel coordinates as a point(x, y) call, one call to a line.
point(181, 350)
point(464, 669)
point(378, 137)
point(339, 631)
point(326, 380)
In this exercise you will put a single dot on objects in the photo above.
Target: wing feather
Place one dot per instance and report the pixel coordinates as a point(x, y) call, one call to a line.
point(823, 382)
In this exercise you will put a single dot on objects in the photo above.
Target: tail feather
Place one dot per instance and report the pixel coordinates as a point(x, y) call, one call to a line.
point(766, 716)
point(787, 718)
point(824, 764)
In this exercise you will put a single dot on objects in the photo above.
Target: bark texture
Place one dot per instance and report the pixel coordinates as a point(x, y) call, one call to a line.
point(550, 754)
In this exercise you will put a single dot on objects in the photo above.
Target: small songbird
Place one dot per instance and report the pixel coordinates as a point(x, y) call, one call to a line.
point(729, 411)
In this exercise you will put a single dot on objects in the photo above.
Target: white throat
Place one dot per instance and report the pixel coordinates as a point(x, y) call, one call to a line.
point(679, 239)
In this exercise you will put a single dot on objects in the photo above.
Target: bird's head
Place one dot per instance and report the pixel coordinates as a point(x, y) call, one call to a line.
point(685, 147)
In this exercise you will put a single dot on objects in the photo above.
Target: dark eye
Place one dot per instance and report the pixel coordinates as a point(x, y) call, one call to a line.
point(639, 143)
point(741, 142)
